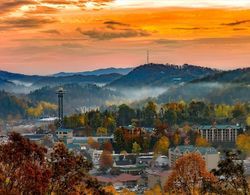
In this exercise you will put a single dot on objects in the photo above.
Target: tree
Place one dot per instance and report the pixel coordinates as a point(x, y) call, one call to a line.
point(171, 116)
point(248, 120)
point(23, 167)
point(136, 148)
point(155, 190)
point(201, 142)
point(231, 175)
point(150, 114)
point(188, 175)
point(110, 190)
point(70, 172)
point(101, 131)
point(108, 146)
point(125, 115)
point(119, 140)
point(243, 143)
point(92, 143)
point(161, 146)
point(106, 160)
point(176, 138)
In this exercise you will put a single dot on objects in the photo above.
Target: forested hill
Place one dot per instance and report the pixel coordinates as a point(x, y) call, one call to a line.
point(11, 106)
point(232, 76)
point(76, 96)
point(5, 84)
point(159, 75)
point(55, 81)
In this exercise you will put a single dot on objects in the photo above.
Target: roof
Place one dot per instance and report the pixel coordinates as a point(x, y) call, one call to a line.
point(64, 130)
point(35, 136)
point(191, 148)
point(203, 127)
point(73, 146)
point(123, 162)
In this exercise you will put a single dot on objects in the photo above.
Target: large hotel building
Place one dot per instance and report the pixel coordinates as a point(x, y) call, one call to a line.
point(220, 133)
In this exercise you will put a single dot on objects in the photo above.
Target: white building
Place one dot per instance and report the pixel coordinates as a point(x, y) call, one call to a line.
point(65, 135)
point(220, 133)
point(161, 161)
point(209, 154)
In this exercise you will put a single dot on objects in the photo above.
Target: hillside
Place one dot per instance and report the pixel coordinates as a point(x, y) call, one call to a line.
point(11, 106)
point(5, 84)
point(19, 77)
point(159, 75)
point(91, 79)
point(233, 76)
point(215, 92)
point(122, 71)
point(76, 96)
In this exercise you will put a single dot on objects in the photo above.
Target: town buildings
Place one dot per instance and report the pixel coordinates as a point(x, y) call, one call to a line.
point(209, 154)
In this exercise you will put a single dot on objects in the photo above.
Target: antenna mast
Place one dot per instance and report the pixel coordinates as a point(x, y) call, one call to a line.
point(147, 56)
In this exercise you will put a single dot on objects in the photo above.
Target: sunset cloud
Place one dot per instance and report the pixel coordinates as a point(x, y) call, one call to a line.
point(52, 31)
point(236, 23)
point(25, 22)
point(108, 35)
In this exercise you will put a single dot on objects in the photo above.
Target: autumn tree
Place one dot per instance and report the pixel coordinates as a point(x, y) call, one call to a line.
point(70, 172)
point(108, 146)
point(243, 143)
point(231, 175)
point(176, 138)
point(106, 160)
point(23, 168)
point(161, 146)
point(93, 143)
point(248, 120)
point(201, 142)
point(101, 131)
point(188, 175)
point(136, 148)
point(155, 190)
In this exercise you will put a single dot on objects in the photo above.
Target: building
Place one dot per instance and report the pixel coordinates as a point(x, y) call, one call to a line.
point(220, 133)
point(129, 167)
point(99, 139)
point(161, 161)
point(65, 135)
point(145, 160)
point(209, 154)
point(41, 139)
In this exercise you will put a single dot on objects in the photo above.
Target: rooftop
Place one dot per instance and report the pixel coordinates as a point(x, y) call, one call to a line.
point(64, 130)
point(220, 127)
point(191, 148)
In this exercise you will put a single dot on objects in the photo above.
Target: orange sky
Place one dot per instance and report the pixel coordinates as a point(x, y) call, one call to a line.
point(47, 36)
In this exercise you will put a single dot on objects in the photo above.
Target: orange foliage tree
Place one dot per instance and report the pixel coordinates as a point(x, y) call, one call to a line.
point(189, 173)
point(23, 167)
point(70, 171)
point(201, 142)
point(108, 146)
point(26, 168)
point(106, 160)
point(243, 143)
point(92, 143)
